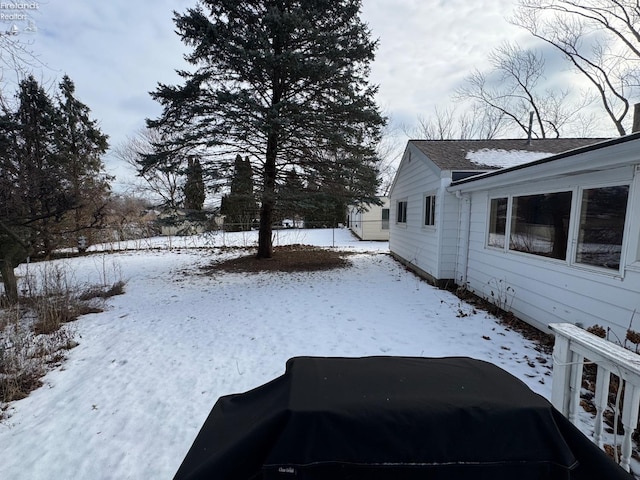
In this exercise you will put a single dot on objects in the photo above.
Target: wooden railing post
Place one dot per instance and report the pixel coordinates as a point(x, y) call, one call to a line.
point(575, 384)
point(630, 421)
point(561, 374)
point(601, 399)
point(572, 346)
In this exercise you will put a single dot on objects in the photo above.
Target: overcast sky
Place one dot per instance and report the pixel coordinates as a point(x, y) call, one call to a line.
point(116, 51)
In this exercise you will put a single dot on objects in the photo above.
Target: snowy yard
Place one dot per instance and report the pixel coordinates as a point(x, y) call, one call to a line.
point(130, 399)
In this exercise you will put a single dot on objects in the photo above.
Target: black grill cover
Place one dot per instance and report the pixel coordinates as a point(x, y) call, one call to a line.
point(392, 418)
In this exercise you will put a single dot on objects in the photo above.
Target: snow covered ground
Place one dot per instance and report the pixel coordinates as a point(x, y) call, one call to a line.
point(130, 399)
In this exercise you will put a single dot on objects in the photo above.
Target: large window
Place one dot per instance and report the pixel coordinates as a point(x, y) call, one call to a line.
point(429, 210)
point(497, 222)
point(602, 215)
point(540, 224)
point(402, 212)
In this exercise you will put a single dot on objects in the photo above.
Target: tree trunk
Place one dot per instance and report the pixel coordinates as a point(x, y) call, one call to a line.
point(9, 281)
point(265, 246)
point(12, 254)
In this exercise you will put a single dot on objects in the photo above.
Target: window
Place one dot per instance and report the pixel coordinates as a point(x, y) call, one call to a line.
point(430, 210)
point(601, 228)
point(497, 222)
point(385, 219)
point(540, 224)
point(402, 212)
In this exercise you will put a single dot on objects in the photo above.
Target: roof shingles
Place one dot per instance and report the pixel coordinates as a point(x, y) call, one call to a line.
point(454, 154)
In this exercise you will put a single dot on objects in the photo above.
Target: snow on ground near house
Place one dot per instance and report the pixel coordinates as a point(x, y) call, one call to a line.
point(130, 399)
point(504, 158)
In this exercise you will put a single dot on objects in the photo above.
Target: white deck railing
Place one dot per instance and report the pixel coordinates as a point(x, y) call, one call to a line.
point(572, 346)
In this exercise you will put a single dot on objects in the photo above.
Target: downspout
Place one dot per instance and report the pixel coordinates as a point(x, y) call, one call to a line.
point(465, 233)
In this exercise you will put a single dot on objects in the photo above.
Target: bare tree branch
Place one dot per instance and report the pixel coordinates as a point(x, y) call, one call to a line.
point(515, 87)
point(600, 39)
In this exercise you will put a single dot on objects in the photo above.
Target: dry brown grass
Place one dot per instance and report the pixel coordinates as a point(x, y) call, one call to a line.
point(291, 258)
point(34, 333)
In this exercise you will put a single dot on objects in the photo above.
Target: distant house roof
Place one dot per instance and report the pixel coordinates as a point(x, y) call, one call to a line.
point(493, 154)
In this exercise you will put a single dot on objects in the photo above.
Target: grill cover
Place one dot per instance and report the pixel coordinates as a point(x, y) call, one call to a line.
point(392, 418)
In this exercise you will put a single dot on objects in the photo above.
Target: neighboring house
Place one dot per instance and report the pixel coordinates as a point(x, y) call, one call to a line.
point(425, 219)
point(368, 221)
point(180, 222)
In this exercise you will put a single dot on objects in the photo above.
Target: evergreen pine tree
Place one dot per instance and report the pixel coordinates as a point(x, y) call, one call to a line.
point(284, 81)
point(81, 144)
point(42, 174)
point(291, 198)
point(194, 191)
point(31, 189)
point(14, 235)
point(239, 206)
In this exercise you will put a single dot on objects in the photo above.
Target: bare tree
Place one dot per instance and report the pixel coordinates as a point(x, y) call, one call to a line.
point(440, 126)
point(514, 89)
point(389, 151)
point(162, 181)
point(601, 40)
point(476, 121)
point(16, 55)
point(481, 122)
point(129, 217)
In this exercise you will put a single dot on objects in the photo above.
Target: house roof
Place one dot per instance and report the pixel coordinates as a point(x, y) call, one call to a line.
point(576, 155)
point(493, 154)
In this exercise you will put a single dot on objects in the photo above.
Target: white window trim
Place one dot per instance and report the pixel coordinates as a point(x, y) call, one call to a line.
point(630, 227)
point(634, 224)
point(424, 210)
point(406, 213)
point(624, 247)
point(506, 226)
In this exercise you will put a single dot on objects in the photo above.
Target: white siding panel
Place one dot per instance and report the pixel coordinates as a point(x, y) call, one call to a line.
point(546, 290)
point(355, 221)
point(367, 224)
point(372, 222)
point(412, 241)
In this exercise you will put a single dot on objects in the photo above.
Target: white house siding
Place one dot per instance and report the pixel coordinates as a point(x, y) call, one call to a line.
point(412, 242)
point(355, 221)
point(541, 290)
point(367, 225)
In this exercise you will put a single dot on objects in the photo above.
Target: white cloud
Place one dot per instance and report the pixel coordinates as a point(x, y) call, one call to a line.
point(427, 48)
point(116, 51)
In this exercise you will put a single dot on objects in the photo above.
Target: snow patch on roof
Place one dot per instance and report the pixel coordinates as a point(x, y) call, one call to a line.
point(504, 158)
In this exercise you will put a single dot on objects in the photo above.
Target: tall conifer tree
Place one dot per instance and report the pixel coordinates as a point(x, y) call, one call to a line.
point(81, 144)
point(194, 190)
point(284, 81)
point(49, 157)
point(239, 206)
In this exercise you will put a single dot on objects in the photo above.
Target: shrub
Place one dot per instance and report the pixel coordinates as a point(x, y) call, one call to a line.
point(35, 333)
point(598, 331)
